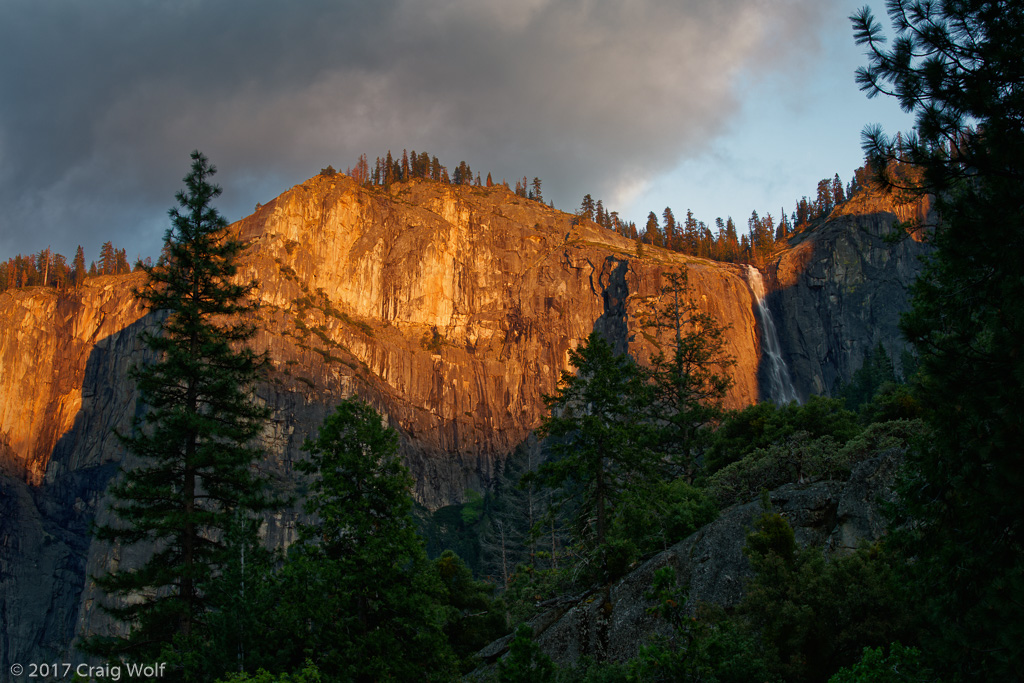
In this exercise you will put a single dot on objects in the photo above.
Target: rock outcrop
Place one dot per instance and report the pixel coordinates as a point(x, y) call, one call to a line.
point(839, 290)
point(451, 309)
point(834, 515)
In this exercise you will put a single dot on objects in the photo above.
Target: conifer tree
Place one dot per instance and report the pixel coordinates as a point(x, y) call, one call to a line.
point(958, 67)
point(652, 233)
point(359, 595)
point(598, 443)
point(78, 266)
point(690, 373)
point(190, 482)
point(672, 240)
point(107, 259)
point(587, 207)
point(690, 237)
point(838, 197)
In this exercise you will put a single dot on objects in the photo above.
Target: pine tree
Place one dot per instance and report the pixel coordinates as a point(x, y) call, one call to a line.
point(587, 207)
point(824, 203)
point(78, 265)
point(652, 233)
point(690, 237)
point(107, 259)
point(44, 261)
point(121, 262)
point(672, 240)
point(958, 66)
point(359, 594)
point(837, 191)
point(60, 274)
point(598, 443)
point(690, 373)
point(193, 483)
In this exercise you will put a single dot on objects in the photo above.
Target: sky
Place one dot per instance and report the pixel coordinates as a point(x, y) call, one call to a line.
point(722, 107)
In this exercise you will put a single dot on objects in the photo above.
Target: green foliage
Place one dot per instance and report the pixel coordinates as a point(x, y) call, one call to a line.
point(472, 618)
point(957, 67)
point(597, 442)
point(525, 663)
point(658, 513)
point(689, 378)
point(875, 371)
point(763, 425)
point(705, 647)
point(472, 509)
point(901, 665)
point(455, 527)
point(875, 391)
point(358, 596)
point(529, 587)
point(814, 615)
point(797, 459)
point(194, 493)
point(891, 402)
point(882, 436)
point(308, 674)
point(800, 458)
point(590, 670)
point(515, 527)
point(432, 340)
point(772, 536)
point(801, 619)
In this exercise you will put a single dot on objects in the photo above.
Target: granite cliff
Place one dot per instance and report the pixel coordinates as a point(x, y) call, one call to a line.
point(839, 290)
point(451, 309)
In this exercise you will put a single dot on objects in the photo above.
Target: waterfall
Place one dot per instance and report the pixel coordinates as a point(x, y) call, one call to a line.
point(780, 385)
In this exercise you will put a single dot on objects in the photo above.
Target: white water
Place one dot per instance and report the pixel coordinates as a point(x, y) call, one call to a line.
point(780, 385)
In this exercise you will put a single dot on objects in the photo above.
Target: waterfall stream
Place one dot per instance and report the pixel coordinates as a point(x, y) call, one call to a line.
point(780, 385)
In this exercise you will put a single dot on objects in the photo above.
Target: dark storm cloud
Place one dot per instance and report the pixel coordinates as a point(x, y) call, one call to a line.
point(102, 101)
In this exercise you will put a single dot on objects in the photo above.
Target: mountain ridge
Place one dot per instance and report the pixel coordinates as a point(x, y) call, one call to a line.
point(451, 309)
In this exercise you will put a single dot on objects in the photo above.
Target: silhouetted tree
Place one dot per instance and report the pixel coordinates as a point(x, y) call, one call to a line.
point(958, 67)
point(194, 486)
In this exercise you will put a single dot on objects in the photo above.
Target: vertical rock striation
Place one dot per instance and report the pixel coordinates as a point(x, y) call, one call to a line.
point(840, 289)
point(451, 309)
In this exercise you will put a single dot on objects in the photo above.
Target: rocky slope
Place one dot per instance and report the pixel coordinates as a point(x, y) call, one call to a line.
point(452, 309)
point(833, 515)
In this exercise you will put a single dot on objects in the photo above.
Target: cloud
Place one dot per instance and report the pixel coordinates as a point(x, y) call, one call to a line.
point(104, 100)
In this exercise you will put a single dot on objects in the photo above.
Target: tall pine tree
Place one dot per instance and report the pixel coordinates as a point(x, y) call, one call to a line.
point(358, 595)
point(689, 373)
point(191, 482)
point(599, 446)
point(958, 66)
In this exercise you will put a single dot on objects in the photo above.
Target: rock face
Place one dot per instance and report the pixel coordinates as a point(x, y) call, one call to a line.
point(833, 515)
point(840, 289)
point(451, 309)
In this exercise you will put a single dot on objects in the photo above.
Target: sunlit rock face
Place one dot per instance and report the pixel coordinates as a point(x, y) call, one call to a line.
point(451, 309)
point(454, 309)
point(46, 339)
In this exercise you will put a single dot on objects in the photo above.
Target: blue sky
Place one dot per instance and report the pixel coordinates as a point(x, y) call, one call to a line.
point(720, 107)
point(793, 127)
